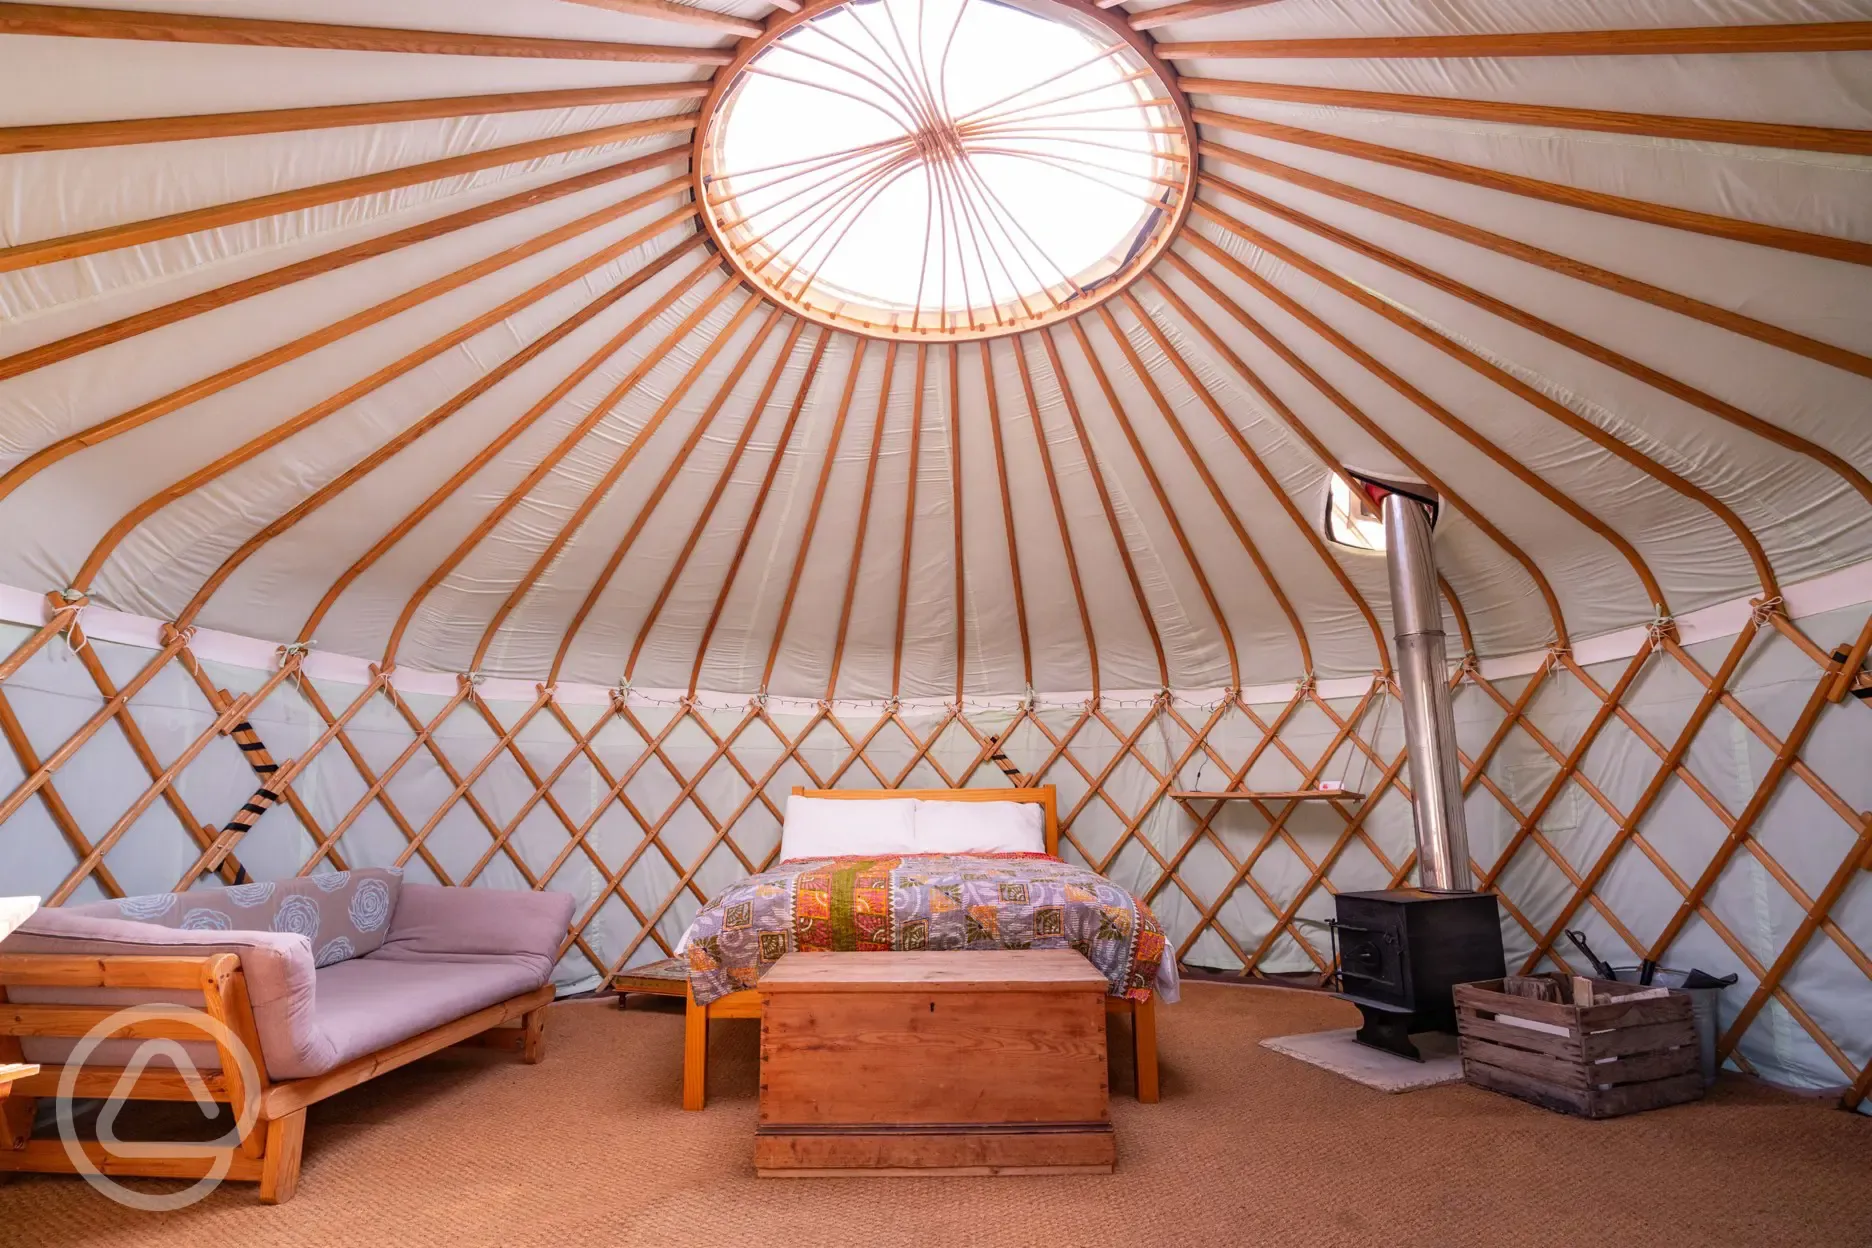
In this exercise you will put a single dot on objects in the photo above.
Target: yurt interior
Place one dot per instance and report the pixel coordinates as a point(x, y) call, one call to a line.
point(984, 622)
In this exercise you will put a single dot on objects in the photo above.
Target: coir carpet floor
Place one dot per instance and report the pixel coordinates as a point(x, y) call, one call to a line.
point(1247, 1147)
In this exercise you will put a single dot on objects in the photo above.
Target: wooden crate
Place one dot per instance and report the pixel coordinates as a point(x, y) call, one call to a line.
point(1596, 1061)
point(958, 1063)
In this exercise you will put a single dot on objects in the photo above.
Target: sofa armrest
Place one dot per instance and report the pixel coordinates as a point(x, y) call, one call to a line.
point(433, 923)
point(281, 983)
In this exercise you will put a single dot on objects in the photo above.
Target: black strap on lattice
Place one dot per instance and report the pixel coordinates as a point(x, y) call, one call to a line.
point(1005, 763)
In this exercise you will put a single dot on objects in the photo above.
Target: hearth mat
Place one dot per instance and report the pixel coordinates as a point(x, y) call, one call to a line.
point(1338, 1052)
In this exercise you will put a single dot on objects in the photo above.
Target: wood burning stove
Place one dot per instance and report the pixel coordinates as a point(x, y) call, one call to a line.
point(1401, 951)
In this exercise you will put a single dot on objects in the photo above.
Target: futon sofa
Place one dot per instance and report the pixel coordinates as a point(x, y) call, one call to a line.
point(313, 985)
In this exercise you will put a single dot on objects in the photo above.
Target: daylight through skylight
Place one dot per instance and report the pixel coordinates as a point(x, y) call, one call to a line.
point(945, 168)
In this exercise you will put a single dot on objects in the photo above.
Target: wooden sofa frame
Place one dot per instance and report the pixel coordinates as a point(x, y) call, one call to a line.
point(269, 1151)
point(747, 1002)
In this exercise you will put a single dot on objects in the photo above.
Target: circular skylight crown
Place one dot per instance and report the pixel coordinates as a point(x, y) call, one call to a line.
point(944, 168)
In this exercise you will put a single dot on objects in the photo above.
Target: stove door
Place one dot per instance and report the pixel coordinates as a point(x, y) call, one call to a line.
point(1372, 964)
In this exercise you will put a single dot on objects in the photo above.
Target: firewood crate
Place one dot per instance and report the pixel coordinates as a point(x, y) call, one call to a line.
point(1594, 1061)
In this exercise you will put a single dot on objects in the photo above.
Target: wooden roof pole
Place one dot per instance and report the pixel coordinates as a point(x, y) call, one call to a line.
point(1331, 393)
point(217, 216)
point(1235, 435)
point(350, 394)
point(1678, 41)
point(955, 516)
point(812, 513)
point(1059, 513)
point(1188, 11)
point(526, 421)
point(1548, 116)
point(1195, 458)
point(1779, 237)
point(462, 398)
point(1007, 511)
point(1566, 266)
point(684, 14)
point(66, 136)
point(1520, 389)
point(1654, 591)
point(864, 519)
point(721, 487)
point(77, 23)
point(717, 343)
point(703, 424)
point(760, 503)
point(546, 464)
point(910, 500)
point(272, 279)
point(1112, 400)
point(600, 490)
point(305, 344)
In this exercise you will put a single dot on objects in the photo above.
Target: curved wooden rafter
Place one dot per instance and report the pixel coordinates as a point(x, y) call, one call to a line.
point(1522, 390)
point(434, 419)
point(993, 407)
point(540, 470)
point(760, 502)
point(1194, 456)
point(920, 382)
point(1755, 233)
point(1550, 116)
point(812, 512)
point(80, 23)
point(219, 216)
point(671, 473)
point(1059, 508)
point(640, 438)
point(1331, 393)
point(1142, 458)
point(526, 421)
point(1663, 41)
point(864, 519)
point(1307, 529)
point(305, 344)
point(221, 296)
point(311, 416)
point(1566, 266)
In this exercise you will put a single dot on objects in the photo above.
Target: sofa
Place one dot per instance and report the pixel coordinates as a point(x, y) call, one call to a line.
point(308, 987)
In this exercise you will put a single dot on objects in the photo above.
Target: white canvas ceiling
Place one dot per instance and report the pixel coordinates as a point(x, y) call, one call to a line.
point(1636, 366)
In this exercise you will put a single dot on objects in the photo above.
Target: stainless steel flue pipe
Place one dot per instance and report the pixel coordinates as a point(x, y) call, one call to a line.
point(1423, 675)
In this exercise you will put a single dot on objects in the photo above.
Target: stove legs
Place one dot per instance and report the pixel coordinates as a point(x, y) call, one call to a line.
point(1387, 1030)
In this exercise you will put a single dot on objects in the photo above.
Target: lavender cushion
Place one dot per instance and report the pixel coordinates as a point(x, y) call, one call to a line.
point(435, 924)
point(369, 1003)
point(342, 914)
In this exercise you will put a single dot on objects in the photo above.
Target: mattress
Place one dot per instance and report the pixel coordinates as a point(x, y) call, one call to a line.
point(926, 902)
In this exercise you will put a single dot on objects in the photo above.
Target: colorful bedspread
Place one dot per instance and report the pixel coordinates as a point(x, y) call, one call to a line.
point(925, 901)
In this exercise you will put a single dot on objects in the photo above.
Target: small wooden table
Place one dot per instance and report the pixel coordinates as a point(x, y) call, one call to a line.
point(988, 1062)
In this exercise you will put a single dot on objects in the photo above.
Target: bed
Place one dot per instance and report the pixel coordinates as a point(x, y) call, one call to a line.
point(898, 896)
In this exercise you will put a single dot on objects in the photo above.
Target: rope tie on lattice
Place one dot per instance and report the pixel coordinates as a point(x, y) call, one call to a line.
point(1662, 628)
point(1305, 685)
point(472, 679)
point(296, 650)
point(1765, 609)
point(1556, 656)
point(74, 603)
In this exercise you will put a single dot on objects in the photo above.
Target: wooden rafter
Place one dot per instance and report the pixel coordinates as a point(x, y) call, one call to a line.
point(1603, 121)
point(67, 136)
point(1663, 41)
point(79, 23)
point(1755, 233)
point(217, 216)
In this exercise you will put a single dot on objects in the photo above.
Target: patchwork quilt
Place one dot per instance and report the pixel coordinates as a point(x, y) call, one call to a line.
point(924, 901)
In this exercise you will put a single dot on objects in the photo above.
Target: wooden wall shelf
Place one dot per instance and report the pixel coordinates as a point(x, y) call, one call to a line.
point(1271, 795)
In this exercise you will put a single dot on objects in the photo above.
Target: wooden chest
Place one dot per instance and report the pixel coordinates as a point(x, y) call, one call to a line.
point(950, 1063)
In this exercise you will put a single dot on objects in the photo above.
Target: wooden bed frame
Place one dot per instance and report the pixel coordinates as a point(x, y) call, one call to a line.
point(269, 1149)
point(747, 1002)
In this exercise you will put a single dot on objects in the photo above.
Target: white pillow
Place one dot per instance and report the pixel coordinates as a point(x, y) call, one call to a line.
point(980, 828)
point(830, 827)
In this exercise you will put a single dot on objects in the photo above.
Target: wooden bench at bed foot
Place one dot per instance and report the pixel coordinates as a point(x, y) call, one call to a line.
point(747, 1004)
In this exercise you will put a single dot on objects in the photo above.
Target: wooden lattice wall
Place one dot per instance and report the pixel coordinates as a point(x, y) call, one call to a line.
point(1594, 792)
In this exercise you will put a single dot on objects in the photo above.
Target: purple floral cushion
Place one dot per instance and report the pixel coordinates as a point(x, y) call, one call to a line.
point(342, 914)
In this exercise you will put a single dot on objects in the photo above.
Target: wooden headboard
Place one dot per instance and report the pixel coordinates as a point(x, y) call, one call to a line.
point(1042, 795)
